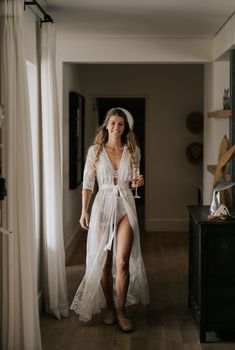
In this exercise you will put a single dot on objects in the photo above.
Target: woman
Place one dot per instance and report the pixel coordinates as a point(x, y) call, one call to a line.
point(115, 275)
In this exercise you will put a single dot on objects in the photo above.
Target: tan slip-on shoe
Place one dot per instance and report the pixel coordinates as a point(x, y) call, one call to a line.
point(125, 324)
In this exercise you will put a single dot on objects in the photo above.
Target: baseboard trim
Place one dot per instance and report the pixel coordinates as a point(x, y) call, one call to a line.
point(72, 243)
point(167, 225)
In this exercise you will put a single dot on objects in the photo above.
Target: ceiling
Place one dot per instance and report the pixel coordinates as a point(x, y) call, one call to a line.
point(138, 18)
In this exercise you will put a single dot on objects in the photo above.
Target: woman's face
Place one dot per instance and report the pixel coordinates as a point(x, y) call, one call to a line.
point(115, 126)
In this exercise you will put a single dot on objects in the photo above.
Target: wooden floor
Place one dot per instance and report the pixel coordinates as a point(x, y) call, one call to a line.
point(165, 324)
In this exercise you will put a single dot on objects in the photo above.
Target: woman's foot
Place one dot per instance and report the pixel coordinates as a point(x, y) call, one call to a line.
point(109, 317)
point(125, 323)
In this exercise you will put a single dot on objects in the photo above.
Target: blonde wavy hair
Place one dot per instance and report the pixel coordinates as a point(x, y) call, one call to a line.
point(127, 138)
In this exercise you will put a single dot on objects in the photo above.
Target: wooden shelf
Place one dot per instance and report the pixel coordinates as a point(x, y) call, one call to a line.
point(212, 168)
point(225, 113)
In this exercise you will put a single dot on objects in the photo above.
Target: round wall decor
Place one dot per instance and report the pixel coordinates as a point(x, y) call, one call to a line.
point(194, 122)
point(194, 152)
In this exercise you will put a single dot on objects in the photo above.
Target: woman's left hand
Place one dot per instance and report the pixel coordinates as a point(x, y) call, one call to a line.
point(137, 182)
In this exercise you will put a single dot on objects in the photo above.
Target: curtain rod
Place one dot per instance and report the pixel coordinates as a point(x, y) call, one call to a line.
point(47, 18)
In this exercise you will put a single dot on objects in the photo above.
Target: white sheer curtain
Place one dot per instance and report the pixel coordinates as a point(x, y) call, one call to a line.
point(54, 281)
point(20, 317)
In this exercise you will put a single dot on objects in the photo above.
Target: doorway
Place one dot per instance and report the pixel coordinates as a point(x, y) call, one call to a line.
point(137, 107)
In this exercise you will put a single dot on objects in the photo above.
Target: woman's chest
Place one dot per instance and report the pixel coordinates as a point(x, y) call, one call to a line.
point(105, 167)
point(114, 156)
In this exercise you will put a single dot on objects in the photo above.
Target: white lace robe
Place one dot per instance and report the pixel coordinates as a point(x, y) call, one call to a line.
point(89, 298)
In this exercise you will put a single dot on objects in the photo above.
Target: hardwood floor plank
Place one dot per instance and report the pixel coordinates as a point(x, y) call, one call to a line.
point(122, 342)
point(139, 343)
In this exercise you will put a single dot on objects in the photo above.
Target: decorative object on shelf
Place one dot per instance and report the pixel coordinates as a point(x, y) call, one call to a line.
point(194, 122)
point(219, 210)
point(76, 139)
point(194, 152)
point(226, 99)
point(222, 187)
point(221, 214)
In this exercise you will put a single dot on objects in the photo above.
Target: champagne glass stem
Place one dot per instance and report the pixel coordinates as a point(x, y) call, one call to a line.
point(136, 174)
point(136, 193)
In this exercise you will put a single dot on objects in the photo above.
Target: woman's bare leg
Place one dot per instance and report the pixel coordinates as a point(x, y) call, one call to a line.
point(124, 245)
point(107, 281)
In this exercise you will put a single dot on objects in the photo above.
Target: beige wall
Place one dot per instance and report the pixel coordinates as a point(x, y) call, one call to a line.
point(172, 92)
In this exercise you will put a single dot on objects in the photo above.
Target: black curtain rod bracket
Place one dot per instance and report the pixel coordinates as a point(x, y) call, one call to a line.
point(46, 18)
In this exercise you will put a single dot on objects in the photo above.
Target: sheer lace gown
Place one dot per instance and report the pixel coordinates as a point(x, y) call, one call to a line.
point(89, 298)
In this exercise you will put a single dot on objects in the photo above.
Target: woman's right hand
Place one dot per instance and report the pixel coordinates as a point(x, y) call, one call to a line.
point(137, 182)
point(84, 220)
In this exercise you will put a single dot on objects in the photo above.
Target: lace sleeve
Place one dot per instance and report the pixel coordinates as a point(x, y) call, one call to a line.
point(89, 171)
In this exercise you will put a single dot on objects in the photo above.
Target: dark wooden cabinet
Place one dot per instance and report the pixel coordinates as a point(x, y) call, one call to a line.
point(211, 278)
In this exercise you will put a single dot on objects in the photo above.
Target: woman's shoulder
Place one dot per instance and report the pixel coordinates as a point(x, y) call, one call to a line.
point(93, 148)
point(91, 152)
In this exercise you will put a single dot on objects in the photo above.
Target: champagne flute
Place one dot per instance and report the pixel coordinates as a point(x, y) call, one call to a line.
point(136, 175)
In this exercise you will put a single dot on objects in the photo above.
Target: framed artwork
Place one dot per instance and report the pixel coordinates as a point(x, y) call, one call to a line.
point(76, 139)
